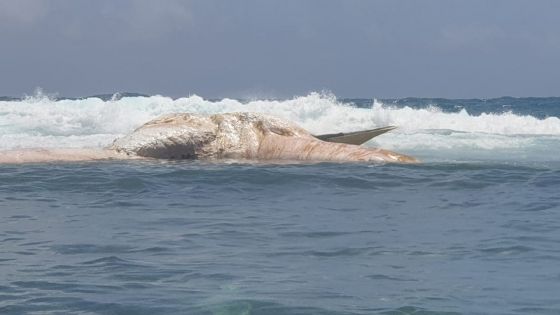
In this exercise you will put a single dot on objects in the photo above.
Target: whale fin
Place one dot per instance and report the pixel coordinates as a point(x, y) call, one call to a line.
point(356, 137)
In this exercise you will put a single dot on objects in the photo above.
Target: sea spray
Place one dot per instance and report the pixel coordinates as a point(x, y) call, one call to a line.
point(44, 121)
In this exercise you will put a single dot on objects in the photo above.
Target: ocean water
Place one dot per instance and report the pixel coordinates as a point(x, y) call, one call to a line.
point(473, 229)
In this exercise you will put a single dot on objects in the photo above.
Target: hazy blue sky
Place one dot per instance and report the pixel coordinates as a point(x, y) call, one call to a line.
point(262, 48)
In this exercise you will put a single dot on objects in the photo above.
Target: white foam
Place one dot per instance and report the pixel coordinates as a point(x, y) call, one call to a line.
point(432, 118)
point(42, 122)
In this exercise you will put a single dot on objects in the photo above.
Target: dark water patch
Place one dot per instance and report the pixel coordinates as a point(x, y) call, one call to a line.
point(319, 234)
point(78, 249)
point(551, 179)
point(58, 274)
point(45, 199)
point(26, 253)
point(152, 250)
point(460, 184)
point(390, 278)
point(179, 221)
point(36, 243)
point(20, 217)
point(536, 239)
point(123, 270)
point(15, 198)
point(124, 204)
point(109, 261)
point(6, 289)
point(411, 310)
point(12, 239)
point(423, 253)
point(342, 209)
point(541, 206)
point(134, 184)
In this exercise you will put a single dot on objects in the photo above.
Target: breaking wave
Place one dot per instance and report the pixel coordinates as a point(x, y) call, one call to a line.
point(41, 121)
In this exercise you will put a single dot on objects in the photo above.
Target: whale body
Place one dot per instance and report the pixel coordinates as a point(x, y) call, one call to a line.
point(242, 136)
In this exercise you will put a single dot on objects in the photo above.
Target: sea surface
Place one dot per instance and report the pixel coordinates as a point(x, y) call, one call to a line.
point(473, 229)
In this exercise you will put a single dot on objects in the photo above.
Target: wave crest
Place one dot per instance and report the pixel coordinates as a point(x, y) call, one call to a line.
point(41, 120)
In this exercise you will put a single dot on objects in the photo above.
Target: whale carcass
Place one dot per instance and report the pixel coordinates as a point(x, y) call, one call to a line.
point(243, 136)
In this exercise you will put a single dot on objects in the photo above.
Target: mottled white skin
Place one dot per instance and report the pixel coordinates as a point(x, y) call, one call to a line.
point(239, 136)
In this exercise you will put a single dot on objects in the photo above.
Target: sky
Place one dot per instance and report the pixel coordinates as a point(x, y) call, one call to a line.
point(281, 48)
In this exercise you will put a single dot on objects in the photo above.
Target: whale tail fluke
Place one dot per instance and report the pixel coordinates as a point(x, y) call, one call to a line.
point(357, 137)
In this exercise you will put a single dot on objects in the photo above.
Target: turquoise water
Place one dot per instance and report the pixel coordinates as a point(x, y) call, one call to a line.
point(474, 229)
